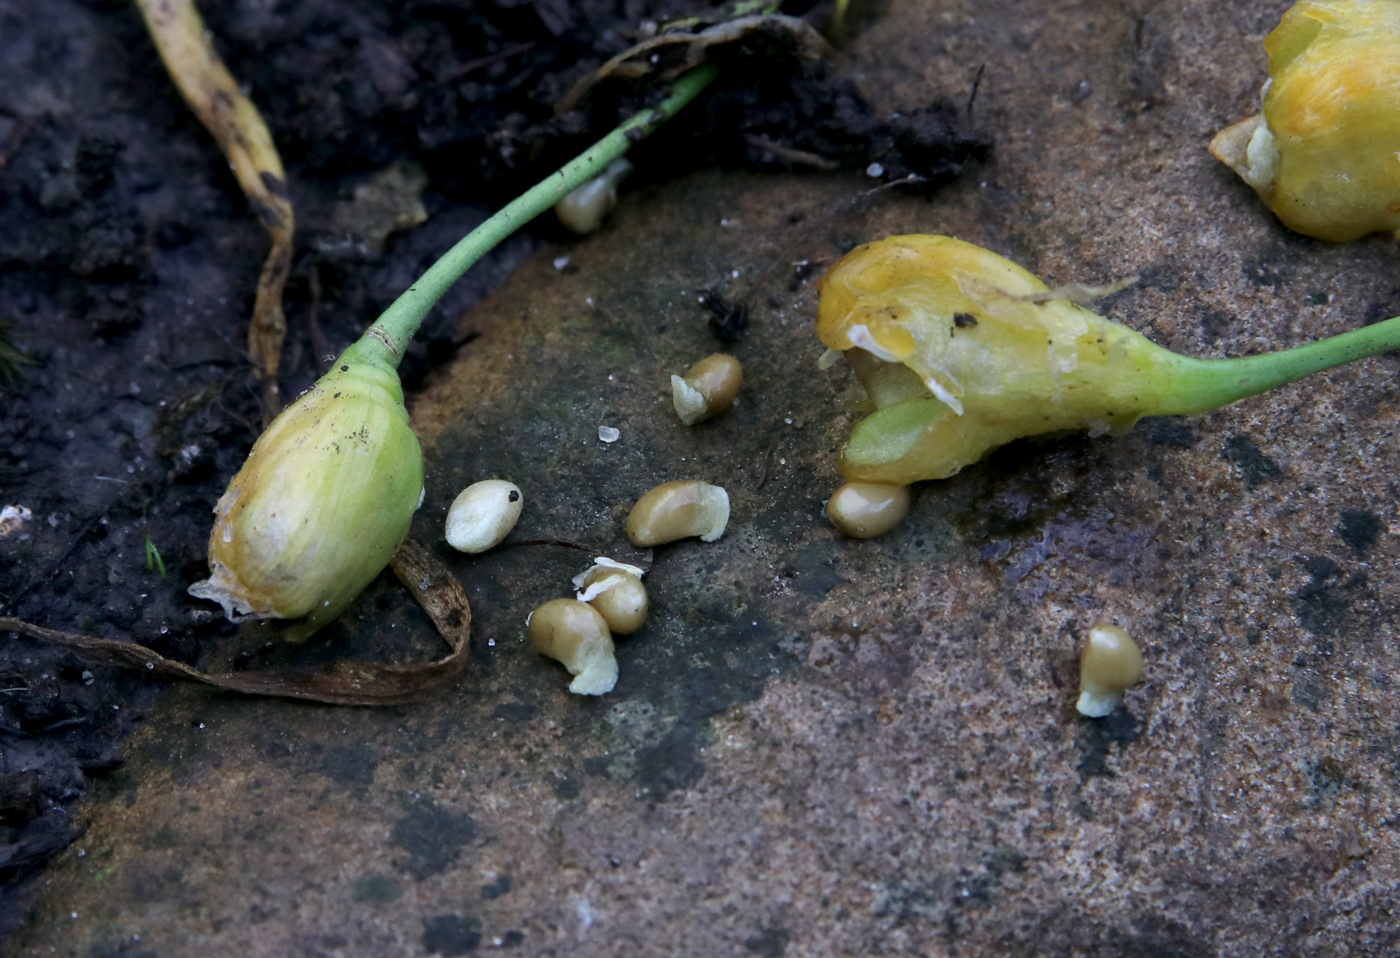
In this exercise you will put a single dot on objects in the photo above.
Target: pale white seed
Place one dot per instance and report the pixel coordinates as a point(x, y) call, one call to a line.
point(1110, 665)
point(618, 596)
point(483, 514)
point(584, 209)
point(864, 510)
point(677, 510)
point(577, 635)
point(707, 389)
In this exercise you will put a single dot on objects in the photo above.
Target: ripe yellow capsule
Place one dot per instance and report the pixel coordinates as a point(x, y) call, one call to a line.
point(962, 351)
point(483, 514)
point(575, 634)
point(616, 591)
point(1322, 154)
point(863, 510)
point(1110, 665)
point(707, 389)
point(677, 510)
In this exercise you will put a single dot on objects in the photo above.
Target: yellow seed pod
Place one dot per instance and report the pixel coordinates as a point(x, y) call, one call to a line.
point(1325, 153)
point(962, 351)
point(1110, 665)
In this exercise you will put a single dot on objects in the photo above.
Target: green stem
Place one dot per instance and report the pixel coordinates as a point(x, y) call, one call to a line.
point(1201, 384)
point(386, 340)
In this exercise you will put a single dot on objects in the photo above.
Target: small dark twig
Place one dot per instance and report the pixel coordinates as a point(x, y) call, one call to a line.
point(791, 155)
point(972, 96)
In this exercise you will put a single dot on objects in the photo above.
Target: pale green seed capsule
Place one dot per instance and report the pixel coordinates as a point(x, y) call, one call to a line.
point(320, 505)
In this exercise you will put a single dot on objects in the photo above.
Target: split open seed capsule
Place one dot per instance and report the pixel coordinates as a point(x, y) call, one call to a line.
point(864, 510)
point(616, 591)
point(707, 389)
point(1322, 154)
point(483, 514)
point(678, 510)
point(962, 351)
point(575, 634)
point(1110, 665)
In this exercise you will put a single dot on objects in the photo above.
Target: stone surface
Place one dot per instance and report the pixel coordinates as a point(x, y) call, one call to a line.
point(821, 746)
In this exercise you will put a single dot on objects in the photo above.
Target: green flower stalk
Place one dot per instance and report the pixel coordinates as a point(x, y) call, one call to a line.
point(329, 490)
point(963, 351)
point(1323, 153)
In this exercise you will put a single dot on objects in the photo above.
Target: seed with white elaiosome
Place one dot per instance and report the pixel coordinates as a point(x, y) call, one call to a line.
point(616, 591)
point(583, 210)
point(483, 514)
point(677, 510)
point(864, 510)
point(707, 389)
point(1111, 664)
point(577, 635)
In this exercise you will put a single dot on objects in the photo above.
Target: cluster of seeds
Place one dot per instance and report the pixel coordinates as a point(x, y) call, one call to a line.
point(579, 632)
point(610, 598)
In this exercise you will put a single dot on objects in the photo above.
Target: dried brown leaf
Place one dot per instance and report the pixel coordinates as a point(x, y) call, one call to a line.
point(344, 683)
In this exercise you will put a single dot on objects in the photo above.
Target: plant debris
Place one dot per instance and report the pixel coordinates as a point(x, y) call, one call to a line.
point(679, 50)
point(344, 683)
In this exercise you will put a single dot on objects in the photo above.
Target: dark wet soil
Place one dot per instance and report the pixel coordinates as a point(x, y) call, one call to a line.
point(128, 262)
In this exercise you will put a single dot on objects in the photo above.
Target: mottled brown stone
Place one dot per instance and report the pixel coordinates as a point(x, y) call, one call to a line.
point(821, 746)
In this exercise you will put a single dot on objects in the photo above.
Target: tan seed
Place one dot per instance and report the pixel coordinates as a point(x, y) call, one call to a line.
point(677, 510)
point(618, 595)
point(863, 510)
point(577, 635)
point(584, 209)
point(707, 389)
point(1110, 665)
point(482, 515)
